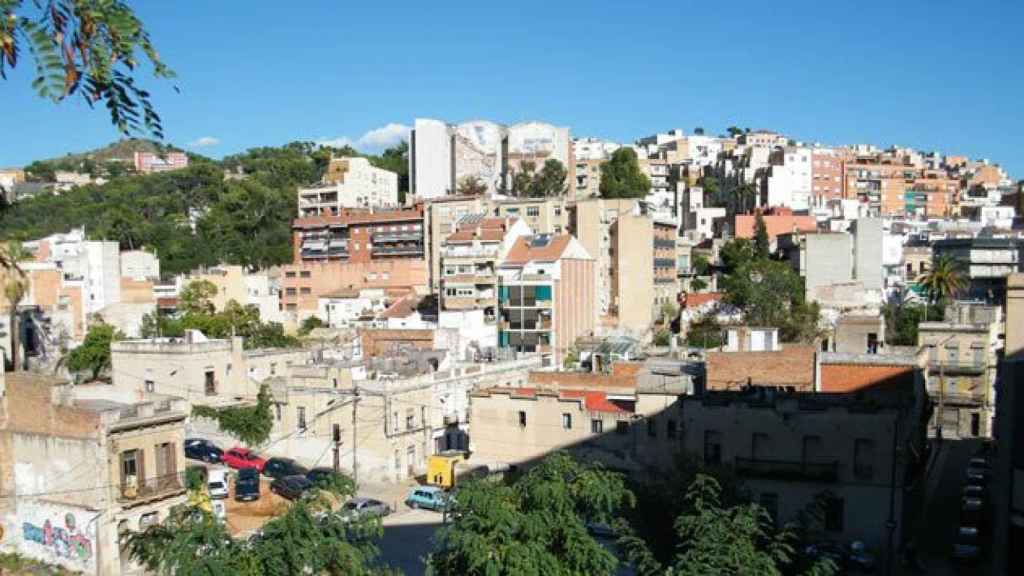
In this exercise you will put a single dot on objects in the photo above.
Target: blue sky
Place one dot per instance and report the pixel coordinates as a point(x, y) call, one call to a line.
point(937, 75)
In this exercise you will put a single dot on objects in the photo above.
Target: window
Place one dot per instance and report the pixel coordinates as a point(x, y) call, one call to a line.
point(522, 419)
point(302, 417)
point(210, 383)
point(394, 421)
point(289, 274)
point(336, 433)
point(621, 427)
point(277, 412)
point(305, 290)
point(566, 421)
point(979, 356)
point(150, 387)
point(834, 514)
point(872, 343)
point(863, 458)
point(670, 429)
point(532, 211)
point(304, 274)
point(273, 368)
point(410, 419)
point(652, 427)
point(290, 291)
point(131, 467)
point(952, 354)
point(975, 424)
point(558, 210)
point(712, 447)
point(596, 426)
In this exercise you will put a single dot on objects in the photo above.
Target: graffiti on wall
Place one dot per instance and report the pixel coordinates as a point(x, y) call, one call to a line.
point(57, 534)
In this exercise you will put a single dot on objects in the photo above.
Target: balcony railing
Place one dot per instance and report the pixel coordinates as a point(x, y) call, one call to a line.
point(956, 367)
point(134, 489)
point(788, 469)
point(398, 250)
point(398, 237)
point(664, 243)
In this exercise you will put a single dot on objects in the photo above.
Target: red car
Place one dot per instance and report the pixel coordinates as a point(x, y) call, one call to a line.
point(239, 458)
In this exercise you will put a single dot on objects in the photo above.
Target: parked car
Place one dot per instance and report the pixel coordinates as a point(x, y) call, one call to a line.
point(429, 497)
point(291, 487)
point(845, 557)
point(217, 483)
point(322, 476)
point(247, 485)
point(359, 508)
point(978, 469)
point(239, 458)
point(281, 467)
point(203, 450)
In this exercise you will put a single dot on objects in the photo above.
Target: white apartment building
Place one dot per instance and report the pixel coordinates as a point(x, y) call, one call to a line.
point(593, 148)
point(358, 185)
point(139, 264)
point(789, 179)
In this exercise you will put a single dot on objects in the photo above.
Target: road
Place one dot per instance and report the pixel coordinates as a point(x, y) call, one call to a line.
point(936, 529)
point(408, 538)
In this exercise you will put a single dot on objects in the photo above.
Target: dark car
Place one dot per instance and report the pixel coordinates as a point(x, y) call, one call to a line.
point(321, 477)
point(203, 450)
point(247, 486)
point(281, 467)
point(290, 487)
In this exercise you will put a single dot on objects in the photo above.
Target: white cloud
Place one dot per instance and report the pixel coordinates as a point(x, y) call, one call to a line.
point(372, 141)
point(204, 142)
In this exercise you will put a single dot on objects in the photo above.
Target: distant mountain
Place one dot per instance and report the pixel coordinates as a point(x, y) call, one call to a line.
point(124, 149)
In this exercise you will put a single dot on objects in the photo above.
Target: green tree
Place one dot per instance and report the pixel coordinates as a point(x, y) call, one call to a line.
point(470, 186)
point(663, 338)
point(88, 48)
point(535, 525)
point(197, 297)
point(551, 181)
point(309, 324)
point(698, 285)
point(621, 176)
point(734, 131)
point(699, 131)
point(16, 286)
point(762, 246)
point(736, 253)
point(944, 281)
point(706, 332)
point(714, 539)
point(250, 424)
point(770, 293)
point(94, 352)
point(901, 321)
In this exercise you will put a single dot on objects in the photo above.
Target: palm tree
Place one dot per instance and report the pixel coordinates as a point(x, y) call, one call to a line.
point(15, 288)
point(945, 280)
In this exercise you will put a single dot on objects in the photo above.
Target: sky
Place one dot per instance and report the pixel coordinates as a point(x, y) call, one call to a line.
point(934, 75)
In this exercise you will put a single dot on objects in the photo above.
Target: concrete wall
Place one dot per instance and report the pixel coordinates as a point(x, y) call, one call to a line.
point(828, 260)
point(633, 272)
point(430, 159)
point(574, 305)
point(868, 245)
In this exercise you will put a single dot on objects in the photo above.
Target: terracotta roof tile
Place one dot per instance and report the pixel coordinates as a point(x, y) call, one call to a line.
point(522, 252)
point(697, 299)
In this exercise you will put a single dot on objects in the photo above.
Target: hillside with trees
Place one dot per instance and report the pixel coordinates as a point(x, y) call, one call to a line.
point(191, 217)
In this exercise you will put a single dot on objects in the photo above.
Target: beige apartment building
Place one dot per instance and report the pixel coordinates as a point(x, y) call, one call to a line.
point(628, 419)
point(631, 280)
point(545, 296)
point(470, 257)
point(962, 365)
point(82, 465)
point(588, 178)
point(792, 448)
point(542, 215)
point(200, 370)
point(441, 216)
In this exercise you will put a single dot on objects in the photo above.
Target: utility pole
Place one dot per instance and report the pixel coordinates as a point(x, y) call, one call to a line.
point(355, 437)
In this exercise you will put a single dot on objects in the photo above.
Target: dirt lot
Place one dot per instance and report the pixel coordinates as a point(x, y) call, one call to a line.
point(243, 517)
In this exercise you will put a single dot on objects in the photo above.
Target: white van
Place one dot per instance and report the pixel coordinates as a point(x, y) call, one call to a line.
point(217, 482)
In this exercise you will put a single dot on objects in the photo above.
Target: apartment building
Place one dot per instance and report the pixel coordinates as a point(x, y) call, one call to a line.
point(382, 428)
point(699, 219)
point(545, 295)
point(987, 262)
point(349, 183)
point(628, 419)
point(962, 364)
point(826, 175)
point(83, 465)
point(788, 181)
point(441, 154)
point(148, 162)
point(763, 139)
point(441, 216)
point(470, 258)
point(839, 269)
point(198, 369)
point(791, 449)
point(666, 277)
point(590, 154)
point(1008, 465)
point(542, 215)
point(348, 307)
point(258, 289)
point(621, 240)
point(879, 185)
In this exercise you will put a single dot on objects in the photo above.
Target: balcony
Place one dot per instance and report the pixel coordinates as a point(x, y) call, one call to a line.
point(527, 303)
point(388, 237)
point(788, 470)
point(664, 263)
point(135, 491)
point(415, 250)
point(664, 243)
point(952, 367)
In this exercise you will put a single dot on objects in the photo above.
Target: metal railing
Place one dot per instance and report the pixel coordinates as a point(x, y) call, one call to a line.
point(788, 469)
point(134, 489)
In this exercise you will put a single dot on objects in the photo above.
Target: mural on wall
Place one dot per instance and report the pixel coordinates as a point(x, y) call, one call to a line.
point(58, 534)
point(478, 152)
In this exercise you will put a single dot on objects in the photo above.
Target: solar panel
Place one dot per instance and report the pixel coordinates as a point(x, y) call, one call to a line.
point(540, 240)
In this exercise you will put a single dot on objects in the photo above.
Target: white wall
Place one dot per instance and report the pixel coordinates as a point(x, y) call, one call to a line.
point(430, 159)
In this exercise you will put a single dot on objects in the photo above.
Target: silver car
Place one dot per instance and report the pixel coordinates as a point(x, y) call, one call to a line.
point(359, 507)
